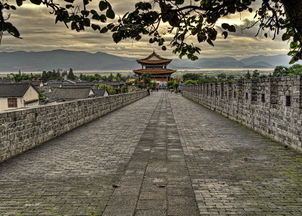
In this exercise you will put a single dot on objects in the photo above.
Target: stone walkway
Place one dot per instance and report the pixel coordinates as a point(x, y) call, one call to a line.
point(162, 155)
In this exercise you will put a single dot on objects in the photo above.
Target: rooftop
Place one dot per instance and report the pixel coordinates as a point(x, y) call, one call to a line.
point(154, 58)
point(13, 89)
point(154, 71)
point(69, 93)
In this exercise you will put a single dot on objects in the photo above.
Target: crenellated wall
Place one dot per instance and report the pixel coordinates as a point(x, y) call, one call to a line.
point(271, 106)
point(23, 129)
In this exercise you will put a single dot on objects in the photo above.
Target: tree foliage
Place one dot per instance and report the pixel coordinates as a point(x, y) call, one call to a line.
point(186, 19)
point(109, 88)
point(288, 71)
point(71, 75)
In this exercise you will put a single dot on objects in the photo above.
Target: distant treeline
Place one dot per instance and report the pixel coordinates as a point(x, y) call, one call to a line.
point(279, 71)
point(63, 74)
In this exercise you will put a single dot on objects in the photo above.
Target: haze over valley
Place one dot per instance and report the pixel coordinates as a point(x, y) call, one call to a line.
point(80, 60)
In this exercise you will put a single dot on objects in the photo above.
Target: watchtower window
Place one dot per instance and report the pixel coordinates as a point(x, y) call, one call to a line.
point(288, 100)
point(234, 94)
point(263, 98)
point(246, 96)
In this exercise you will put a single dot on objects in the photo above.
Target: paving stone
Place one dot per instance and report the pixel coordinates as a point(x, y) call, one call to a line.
point(164, 168)
point(235, 171)
point(73, 174)
point(166, 155)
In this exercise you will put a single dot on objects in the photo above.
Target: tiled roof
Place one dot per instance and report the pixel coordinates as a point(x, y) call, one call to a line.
point(13, 89)
point(160, 61)
point(155, 71)
point(154, 58)
point(113, 83)
point(69, 93)
point(154, 54)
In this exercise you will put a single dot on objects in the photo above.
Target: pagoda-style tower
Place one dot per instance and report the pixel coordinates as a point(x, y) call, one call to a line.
point(156, 66)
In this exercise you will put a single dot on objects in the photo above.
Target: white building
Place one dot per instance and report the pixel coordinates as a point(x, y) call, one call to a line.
point(17, 95)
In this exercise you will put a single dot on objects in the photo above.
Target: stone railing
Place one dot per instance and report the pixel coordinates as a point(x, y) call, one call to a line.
point(23, 129)
point(271, 106)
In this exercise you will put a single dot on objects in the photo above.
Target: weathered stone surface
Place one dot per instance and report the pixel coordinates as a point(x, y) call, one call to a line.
point(235, 171)
point(73, 174)
point(24, 129)
point(156, 168)
point(258, 104)
point(162, 155)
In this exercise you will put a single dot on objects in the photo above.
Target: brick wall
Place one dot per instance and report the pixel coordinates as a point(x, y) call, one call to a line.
point(24, 129)
point(271, 106)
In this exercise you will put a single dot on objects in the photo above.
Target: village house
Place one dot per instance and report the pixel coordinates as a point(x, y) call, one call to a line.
point(67, 93)
point(17, 95)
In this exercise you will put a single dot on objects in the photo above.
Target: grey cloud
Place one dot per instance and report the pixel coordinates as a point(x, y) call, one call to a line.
point(40, 33)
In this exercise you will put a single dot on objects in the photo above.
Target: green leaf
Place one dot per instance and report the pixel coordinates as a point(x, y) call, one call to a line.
point(103, 5)
point(285, 37)
point(104, 30)
point(19, 2)
point(179, 1)
point(110, 13)
point(85, 13)
point(86, 22)
point(201, 37)
point(232, 28)
point(210, 42)
point(116, 37)
point(294, 45)
point(37, 2)
point(102, 18)
point(13, 31)
point(225, 26)
point(95, 27)
point(293, 60)
point(74, 26)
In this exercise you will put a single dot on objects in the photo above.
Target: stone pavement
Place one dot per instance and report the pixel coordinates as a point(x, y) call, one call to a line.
point(234, 170)
point(73, 174)
point(162, 155)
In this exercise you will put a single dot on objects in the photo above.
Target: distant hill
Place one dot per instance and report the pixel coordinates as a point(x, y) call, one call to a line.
point(78, 60)
point(48, 60)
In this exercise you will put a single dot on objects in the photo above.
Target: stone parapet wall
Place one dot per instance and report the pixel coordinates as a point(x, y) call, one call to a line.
point(271, 106)
point(23, 129)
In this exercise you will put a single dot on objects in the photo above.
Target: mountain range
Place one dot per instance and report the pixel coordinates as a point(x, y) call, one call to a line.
point(79, 60)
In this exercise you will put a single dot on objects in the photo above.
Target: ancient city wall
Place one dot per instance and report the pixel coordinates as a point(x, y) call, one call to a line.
point(24, 129)
point(271, 106)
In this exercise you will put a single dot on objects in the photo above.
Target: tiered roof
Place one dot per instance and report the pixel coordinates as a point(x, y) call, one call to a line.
point(155, 71)
point(154, 58)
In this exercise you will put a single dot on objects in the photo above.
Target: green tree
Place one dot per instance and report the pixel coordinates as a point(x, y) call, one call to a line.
point(191, 76)
point(170, 84)
point(124, 89)
point(221, 77)
point(108, 88)
point(248, 75)
point(191, 82)
point(110, 77)
point(146, 78)
point(281, 71)
point(256, 74)
point(71, 75)
point(118, 77)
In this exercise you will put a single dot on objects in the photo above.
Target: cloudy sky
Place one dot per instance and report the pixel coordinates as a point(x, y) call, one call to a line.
point(40, 33)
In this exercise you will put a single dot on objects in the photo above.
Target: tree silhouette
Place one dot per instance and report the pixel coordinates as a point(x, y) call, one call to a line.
point(185, 19)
